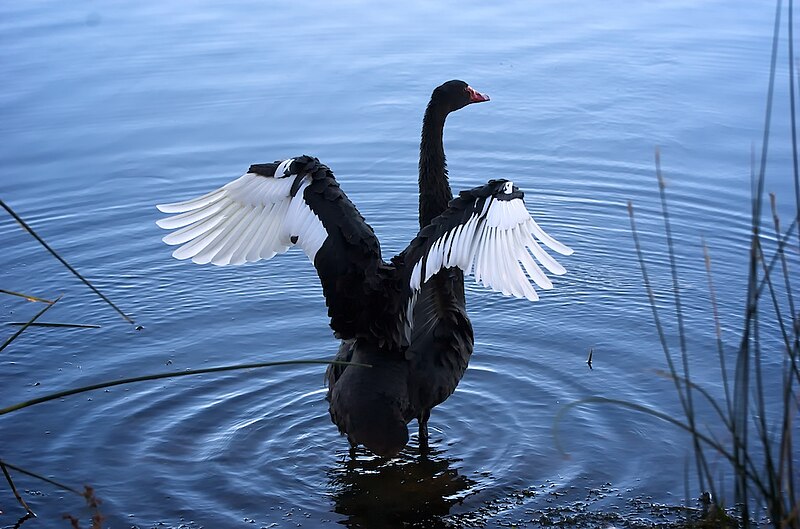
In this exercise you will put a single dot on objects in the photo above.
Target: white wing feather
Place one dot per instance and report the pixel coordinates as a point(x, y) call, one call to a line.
point(497, 246)
point(251, 218)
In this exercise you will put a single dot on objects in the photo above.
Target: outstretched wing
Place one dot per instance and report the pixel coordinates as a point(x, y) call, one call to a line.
point(486, 232)
point(251, 218)
point(275, 206)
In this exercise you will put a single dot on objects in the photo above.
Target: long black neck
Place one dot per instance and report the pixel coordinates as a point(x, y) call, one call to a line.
point(434, 189)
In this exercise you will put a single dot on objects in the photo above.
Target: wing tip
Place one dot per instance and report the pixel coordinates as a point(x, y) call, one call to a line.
point(564, 250)
point(172, 207)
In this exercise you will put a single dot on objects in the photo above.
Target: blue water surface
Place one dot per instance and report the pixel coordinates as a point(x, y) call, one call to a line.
point(111, 107)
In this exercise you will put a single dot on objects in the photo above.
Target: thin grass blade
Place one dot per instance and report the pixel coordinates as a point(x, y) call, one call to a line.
point(25, 296)
point(55, 325)
point(131, 380)
point(28, 324)
point(64, 262)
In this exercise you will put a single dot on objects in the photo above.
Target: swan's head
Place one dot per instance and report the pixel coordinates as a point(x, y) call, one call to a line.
point(456, 94)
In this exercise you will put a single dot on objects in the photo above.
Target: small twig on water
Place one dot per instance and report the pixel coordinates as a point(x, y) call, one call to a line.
point(14, 489)
point(40, 477)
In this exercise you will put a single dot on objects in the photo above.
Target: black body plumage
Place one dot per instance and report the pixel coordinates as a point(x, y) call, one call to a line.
point(442, 340)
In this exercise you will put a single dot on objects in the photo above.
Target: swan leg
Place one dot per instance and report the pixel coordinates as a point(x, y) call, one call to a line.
point(353, 446)
point(423, 430)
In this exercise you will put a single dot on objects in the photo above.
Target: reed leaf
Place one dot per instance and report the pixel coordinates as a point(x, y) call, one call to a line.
point(25, 296)
point(56, 325)
point(157, 376)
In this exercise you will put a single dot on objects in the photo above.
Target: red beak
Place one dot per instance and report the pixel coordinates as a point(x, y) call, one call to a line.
point(476, 97)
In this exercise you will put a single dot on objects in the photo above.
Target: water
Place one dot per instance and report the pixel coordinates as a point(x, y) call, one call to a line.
point(109, 108)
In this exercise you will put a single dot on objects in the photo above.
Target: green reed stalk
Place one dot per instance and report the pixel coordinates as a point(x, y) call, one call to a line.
point(702, 466)
point(786, 443)
point(684, 394)
point(131, 380)
point(717, 329)
point(793, 116)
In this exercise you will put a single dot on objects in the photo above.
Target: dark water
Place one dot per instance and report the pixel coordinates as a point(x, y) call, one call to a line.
point(111, 107)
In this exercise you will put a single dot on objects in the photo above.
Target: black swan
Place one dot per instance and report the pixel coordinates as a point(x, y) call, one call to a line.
point(383, 311)
point(441, 342)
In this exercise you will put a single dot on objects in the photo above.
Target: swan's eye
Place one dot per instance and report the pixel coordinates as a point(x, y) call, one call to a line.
point(509, 187)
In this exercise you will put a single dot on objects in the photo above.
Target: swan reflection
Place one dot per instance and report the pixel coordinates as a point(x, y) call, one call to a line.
point(408, 490)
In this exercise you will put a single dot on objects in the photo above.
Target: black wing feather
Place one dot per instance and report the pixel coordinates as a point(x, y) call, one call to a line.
point(361, 290)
